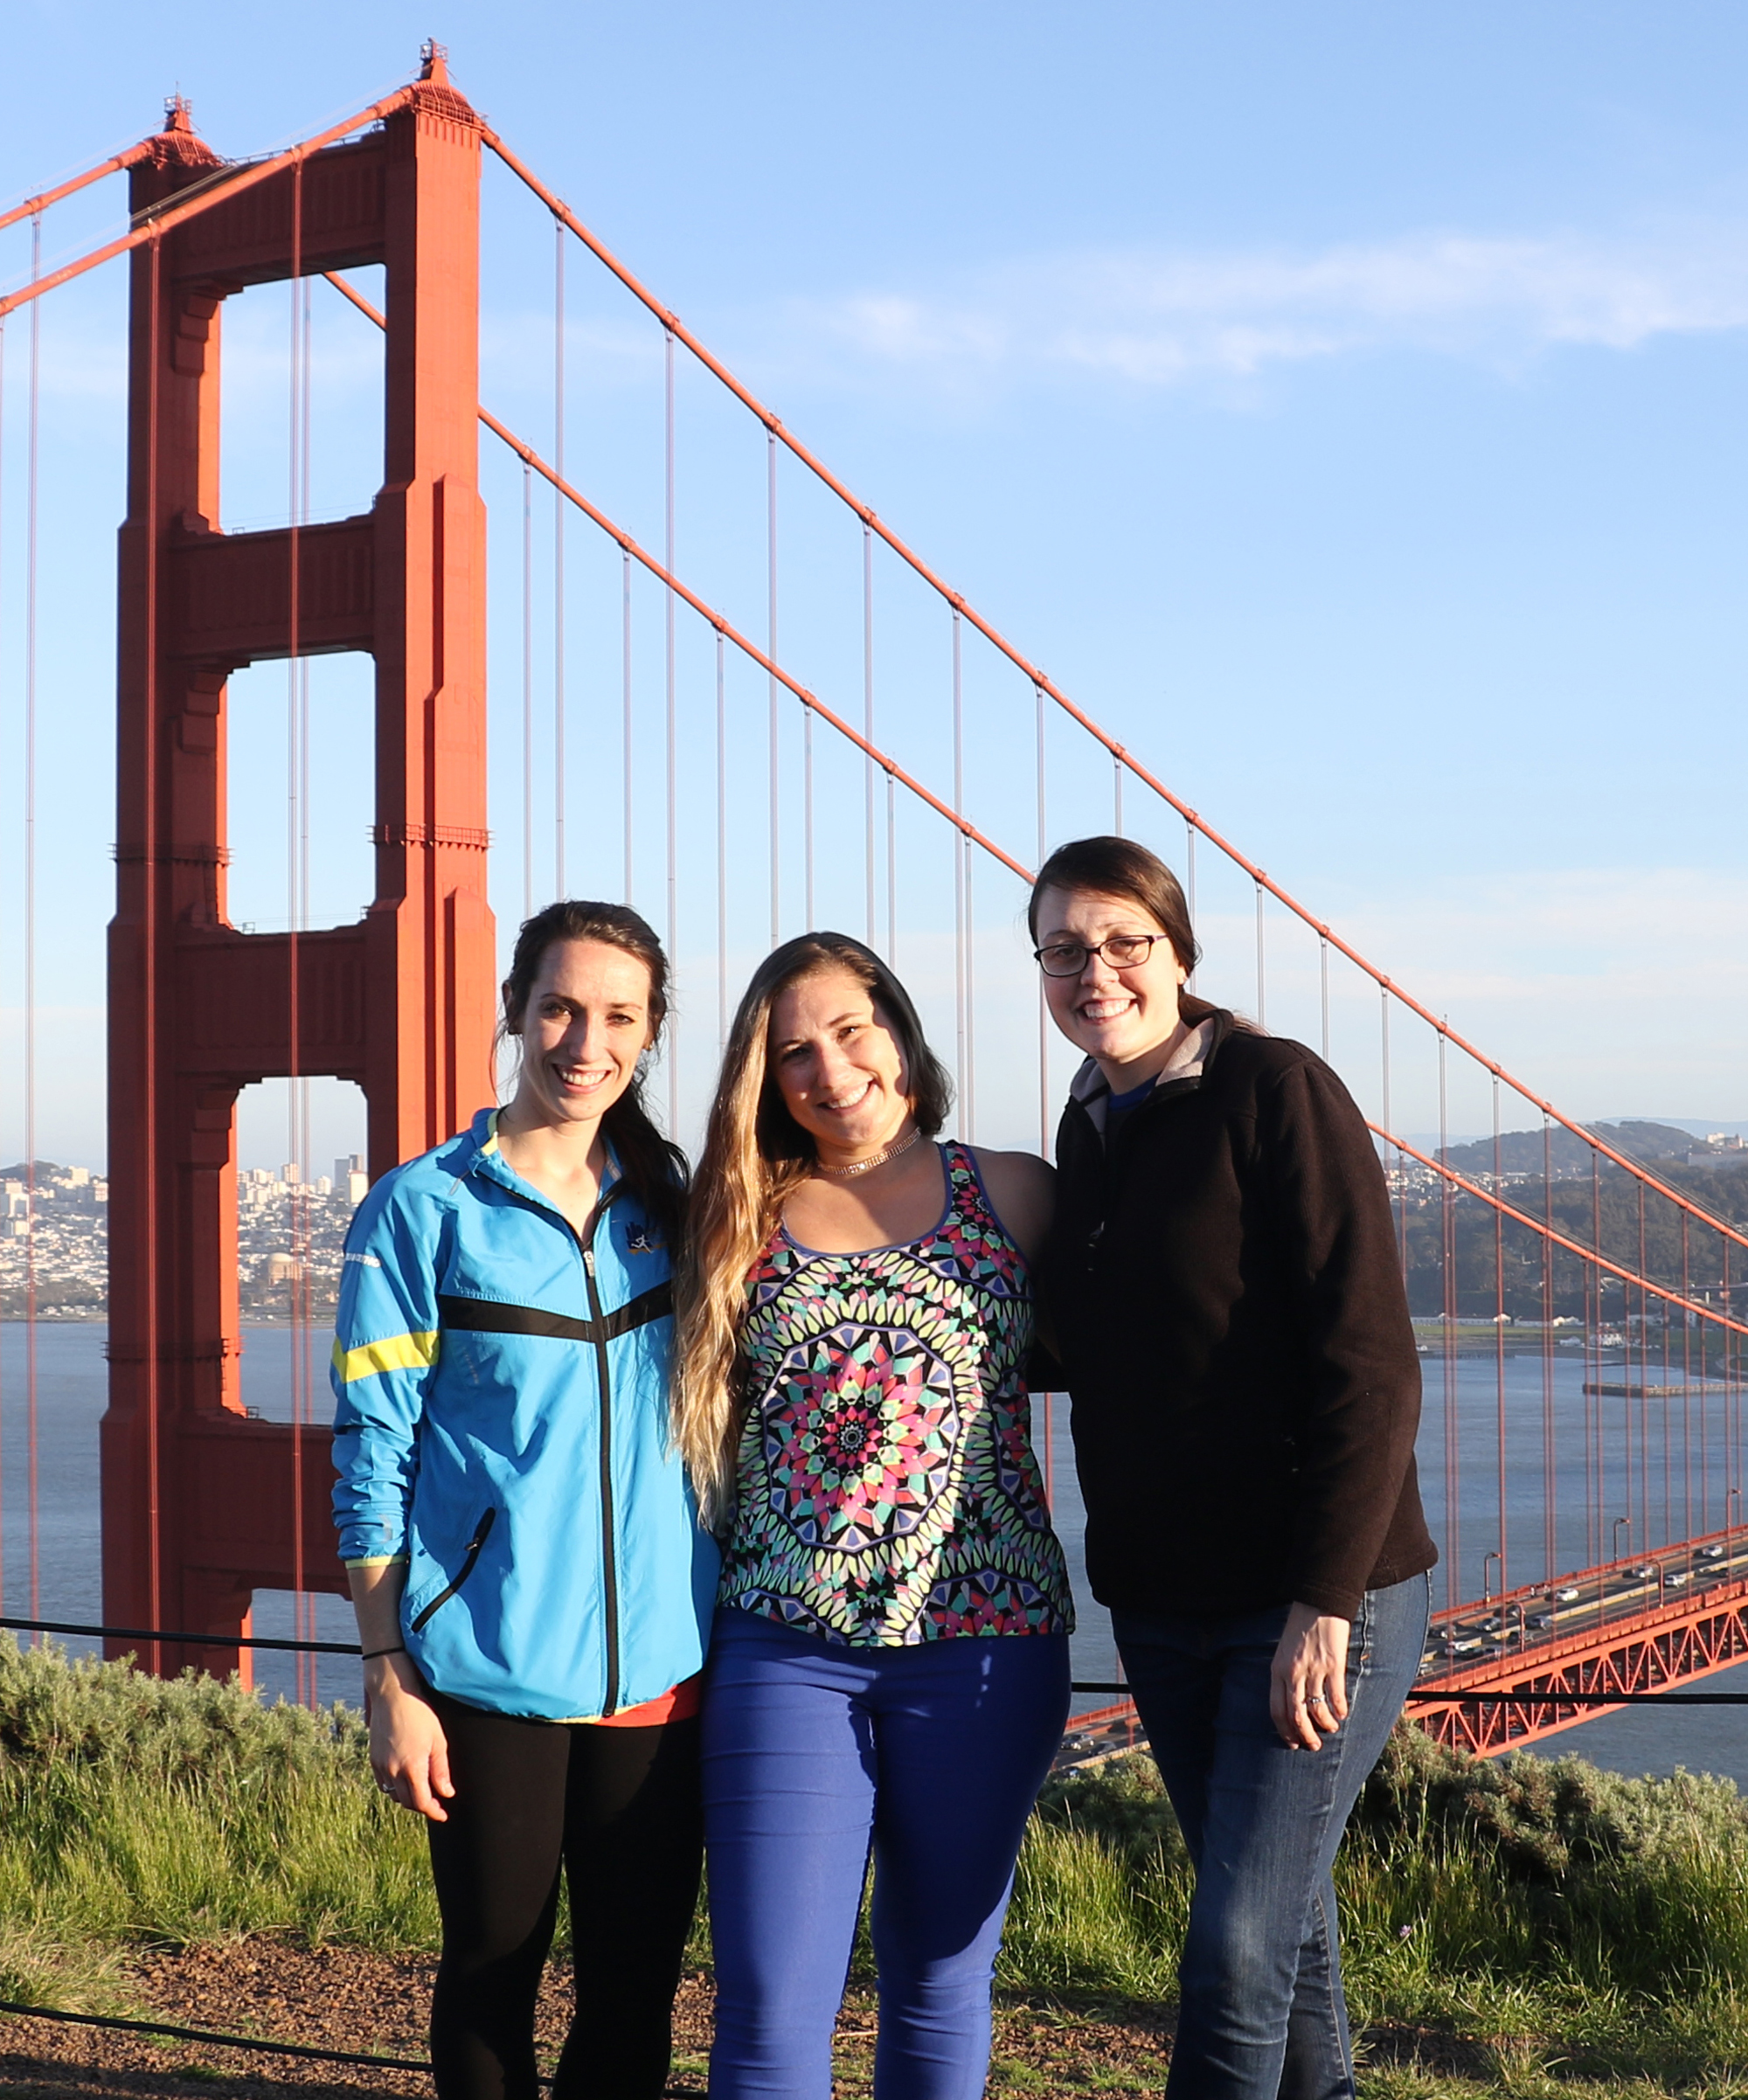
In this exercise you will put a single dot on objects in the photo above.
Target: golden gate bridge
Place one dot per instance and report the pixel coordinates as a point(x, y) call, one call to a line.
point(887, 757)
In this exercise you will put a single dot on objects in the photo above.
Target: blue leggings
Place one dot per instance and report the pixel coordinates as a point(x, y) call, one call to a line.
point(935, 1754)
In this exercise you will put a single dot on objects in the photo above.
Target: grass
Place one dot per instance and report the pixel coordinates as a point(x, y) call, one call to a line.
point(1524, 1926)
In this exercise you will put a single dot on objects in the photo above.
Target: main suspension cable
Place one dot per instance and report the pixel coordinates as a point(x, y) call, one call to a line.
point(774, 425)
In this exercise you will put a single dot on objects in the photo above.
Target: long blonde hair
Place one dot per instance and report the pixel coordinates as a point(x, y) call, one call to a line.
point(755, 1154)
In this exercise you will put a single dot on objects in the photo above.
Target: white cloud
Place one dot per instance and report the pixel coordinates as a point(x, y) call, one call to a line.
point(1156, 317)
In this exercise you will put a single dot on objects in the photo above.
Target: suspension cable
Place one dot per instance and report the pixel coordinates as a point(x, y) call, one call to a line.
point(868, 717)
point(33, 207)
point(558, 522)
point(773, 690)
point(721, 853)
point(297, 882)
point(150, 877)
point(625, 741)
point(671, 753)
point(32, 453)
point(527, 691)
point(28, 1222)
point(774, 425)
point(235, 183)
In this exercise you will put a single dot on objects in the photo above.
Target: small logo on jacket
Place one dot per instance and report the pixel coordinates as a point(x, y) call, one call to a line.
point(364, 1261)
point(643, 1239)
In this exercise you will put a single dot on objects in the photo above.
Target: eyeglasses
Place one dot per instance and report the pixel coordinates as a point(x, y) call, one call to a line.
point(1122, 951)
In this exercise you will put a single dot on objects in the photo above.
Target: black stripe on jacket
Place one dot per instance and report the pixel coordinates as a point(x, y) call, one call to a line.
point(487, 1316)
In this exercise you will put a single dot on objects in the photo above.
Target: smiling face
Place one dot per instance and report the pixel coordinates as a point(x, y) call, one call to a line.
point(1126, 1019)
point(838, 1066)
point(585, 1026)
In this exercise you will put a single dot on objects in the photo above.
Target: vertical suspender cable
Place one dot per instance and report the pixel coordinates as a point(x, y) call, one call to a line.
point(958, 847)
point(304, 1600)
point(28, 1222)
point(153, 1650)
point(1644, 1380)
point(625, 730)
point(1448, 1266)
point(1401, 1205)
point(892, 872)
point(297, 704)
point(1730, 1455)
point(1042, 1011)
point(868, 712)
point(771, 699)
point(1262, 980)
point(808, 817)
point(559, 560)
point(1686, 1380)
point(1323, 992)
point(527, 690)
point(1189, 882)
point(1549, 1455)
point(1116, 795)
point(31, 462)
point(968, 946)
point(721, 853)
point(673, 839)
point(1499, 1336)
point(1601, 1438)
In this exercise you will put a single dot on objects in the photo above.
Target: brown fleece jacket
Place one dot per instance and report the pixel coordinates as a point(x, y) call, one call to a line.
point(1226, 1298)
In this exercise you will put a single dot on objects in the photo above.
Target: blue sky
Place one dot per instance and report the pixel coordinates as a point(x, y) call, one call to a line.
point(1344, 404)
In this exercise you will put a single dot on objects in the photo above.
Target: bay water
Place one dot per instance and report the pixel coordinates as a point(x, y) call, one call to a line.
point(1625, 1454)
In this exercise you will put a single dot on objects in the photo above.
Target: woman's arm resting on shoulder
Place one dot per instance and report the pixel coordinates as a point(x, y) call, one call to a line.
point(1022, 1191)
point(409, 1752)
point(1307, 1687)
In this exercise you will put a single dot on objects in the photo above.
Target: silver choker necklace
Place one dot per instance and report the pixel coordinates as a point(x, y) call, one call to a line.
point(845, 1174)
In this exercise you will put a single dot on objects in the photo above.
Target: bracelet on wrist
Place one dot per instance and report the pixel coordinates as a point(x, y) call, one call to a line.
point(371, 1655)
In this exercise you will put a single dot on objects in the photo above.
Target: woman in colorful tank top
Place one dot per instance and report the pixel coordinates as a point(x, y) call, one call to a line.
point(890, 1662)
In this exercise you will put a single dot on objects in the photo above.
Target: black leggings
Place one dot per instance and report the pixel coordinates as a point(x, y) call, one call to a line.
point(617, 1807)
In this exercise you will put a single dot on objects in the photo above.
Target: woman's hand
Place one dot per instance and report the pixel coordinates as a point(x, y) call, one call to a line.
point(409, 1752)
point(1307, 1687)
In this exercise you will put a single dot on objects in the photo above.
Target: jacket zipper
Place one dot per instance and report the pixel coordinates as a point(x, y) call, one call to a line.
point(482, 1532)
point(609, 1561)
point(609, 1564)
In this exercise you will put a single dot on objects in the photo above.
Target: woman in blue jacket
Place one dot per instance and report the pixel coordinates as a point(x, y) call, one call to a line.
point(531, 1583)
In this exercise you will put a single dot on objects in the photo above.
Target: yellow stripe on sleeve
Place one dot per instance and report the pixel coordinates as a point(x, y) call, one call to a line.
point(398, 1353)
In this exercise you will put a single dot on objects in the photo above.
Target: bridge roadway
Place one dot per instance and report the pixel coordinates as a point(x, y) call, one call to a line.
point(1651, 1622)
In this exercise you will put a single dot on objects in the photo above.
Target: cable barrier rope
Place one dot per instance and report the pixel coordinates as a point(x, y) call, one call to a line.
point(217, 2039)
point(341, 1648)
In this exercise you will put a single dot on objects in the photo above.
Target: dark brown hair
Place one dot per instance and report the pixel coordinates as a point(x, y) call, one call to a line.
point(1114, 867)
point(654, 1169)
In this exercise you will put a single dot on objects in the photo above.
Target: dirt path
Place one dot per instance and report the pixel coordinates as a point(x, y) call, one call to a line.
point(340, 1998)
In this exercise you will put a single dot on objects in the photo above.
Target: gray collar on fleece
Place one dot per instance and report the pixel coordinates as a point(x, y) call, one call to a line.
point(1089, 1089)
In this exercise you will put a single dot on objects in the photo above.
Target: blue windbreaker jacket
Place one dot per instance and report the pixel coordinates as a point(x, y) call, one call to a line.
point(502, 1428)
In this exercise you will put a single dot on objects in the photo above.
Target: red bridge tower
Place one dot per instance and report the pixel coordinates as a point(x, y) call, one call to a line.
point(201, 1505)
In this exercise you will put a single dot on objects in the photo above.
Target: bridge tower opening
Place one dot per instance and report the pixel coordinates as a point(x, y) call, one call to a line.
point(202, 1505)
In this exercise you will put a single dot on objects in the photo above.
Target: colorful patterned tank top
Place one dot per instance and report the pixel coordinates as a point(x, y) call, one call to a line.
point(887, 1492)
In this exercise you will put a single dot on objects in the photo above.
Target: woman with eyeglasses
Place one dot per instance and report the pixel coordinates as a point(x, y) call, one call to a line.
point(889, 1664)
point(1227, 1301)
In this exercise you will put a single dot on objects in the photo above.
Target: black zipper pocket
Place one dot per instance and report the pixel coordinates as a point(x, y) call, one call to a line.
point(482, 1532)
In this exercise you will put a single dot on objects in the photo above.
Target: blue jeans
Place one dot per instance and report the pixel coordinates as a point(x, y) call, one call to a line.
point(1262, 2015)
point(934, 1754)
